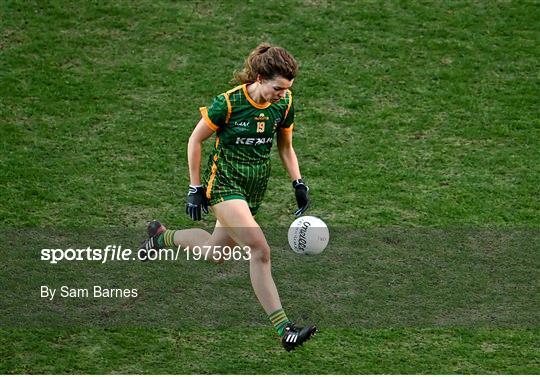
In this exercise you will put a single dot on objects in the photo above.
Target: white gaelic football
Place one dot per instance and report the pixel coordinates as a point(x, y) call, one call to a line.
point(308, 235)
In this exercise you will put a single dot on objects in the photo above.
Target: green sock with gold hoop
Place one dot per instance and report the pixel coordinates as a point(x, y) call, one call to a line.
point(168, 238)
point(279, 320)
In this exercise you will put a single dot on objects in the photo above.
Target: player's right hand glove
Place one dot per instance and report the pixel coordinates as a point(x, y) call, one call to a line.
point(195, 202)
point(302, 197)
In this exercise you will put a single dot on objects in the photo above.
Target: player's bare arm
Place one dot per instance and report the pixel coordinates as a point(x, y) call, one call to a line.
point(287, 154)
point(290, 162)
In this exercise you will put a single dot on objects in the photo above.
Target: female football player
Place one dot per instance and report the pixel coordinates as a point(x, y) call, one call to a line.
point(245, 119)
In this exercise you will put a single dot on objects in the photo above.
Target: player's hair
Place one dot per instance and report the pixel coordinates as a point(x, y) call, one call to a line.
point(269, 62)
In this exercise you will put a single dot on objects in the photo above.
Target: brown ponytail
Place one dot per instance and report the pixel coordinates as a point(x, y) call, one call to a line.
point(269, 62)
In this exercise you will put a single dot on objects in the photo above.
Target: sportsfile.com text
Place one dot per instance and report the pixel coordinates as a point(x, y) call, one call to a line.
point(115, 253)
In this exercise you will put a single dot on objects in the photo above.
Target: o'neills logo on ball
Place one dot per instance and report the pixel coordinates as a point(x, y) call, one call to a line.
point(308, 235)
point(302, 242)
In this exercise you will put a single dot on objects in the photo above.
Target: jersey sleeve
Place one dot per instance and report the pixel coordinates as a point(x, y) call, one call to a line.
point(216, 115)
point(288, 123)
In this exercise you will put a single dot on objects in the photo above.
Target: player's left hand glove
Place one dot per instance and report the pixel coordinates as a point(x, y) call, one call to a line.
point(302, 197)
point(195, 202)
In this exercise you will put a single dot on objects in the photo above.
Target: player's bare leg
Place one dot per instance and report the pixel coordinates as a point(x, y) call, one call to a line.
point(244, 230)
point(159, 237)
point(235, 226)
point(200, 238)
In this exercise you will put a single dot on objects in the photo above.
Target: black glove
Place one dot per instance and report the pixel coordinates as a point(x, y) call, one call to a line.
point(302, 198)
point(195, 201)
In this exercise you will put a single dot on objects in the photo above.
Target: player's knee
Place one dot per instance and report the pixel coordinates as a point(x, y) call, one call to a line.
point(260, 251)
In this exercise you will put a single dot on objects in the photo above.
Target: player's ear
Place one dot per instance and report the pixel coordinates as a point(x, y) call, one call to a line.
point(259, 79)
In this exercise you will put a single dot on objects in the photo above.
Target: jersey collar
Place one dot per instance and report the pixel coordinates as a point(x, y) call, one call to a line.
point(253, 103)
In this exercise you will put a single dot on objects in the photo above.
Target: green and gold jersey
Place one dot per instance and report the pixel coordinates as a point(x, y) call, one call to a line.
point(245, 132)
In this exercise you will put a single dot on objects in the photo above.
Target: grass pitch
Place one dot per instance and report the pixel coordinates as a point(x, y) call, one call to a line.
point(411, 118)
